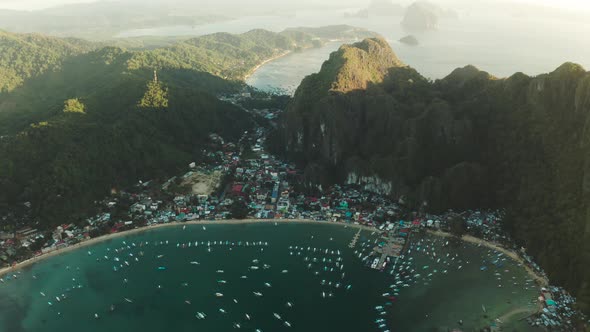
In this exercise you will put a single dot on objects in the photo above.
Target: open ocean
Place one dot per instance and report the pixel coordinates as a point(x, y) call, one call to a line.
point(167, 290)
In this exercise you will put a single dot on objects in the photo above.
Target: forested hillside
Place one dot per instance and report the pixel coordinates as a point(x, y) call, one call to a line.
point(467, 141)
point(225, 55)
point(77, 118)
point(29, 55)
point(72, 135)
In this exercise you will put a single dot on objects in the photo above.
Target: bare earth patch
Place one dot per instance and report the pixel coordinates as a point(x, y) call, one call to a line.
point(203, 183)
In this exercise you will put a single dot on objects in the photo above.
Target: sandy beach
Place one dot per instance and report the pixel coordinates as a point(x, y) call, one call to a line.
point(107, 237)
point(471, 239)
point(522, 311)
point(467, 238)
point(253, 70)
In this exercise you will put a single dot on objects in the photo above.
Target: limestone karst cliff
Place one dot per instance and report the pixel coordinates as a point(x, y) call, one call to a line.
point(468, 140)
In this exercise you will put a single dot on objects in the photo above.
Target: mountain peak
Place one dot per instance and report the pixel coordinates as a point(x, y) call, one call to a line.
point(356, 66)
point(569, 68)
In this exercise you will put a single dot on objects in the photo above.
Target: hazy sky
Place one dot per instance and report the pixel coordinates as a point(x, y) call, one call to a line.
point(36, 4)
point(39, 4)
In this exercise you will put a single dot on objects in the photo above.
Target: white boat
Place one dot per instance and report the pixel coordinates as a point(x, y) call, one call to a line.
point(257, 293)
point(218, 294)
point(284, 271)
point(42, 294)
point(277, 315)
point(219, 271)
point(128, 300)
point(247, 317)
point(195, 263)
point(267, 284)
point(96, 316)
point(187, 302)
point(287, 324)
point(289, 304)
point(222, 311)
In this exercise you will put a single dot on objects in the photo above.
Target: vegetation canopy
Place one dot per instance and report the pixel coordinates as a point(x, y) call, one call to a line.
point(155, 97)
point(74, 106)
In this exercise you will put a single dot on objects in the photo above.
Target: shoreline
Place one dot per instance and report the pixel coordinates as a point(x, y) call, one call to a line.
point(106, 237)
point(542, 281)
point(276, 57)
point(467, 238)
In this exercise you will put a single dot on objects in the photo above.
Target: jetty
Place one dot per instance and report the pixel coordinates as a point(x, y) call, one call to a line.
point(392, 245)
point(355, 239)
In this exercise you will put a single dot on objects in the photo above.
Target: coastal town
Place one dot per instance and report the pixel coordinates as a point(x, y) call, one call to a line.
point(241, 180)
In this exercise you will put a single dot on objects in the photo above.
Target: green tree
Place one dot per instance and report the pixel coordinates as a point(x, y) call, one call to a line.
point(239, 209)
point(74, 106)
point(37, 245)
point(155, 97)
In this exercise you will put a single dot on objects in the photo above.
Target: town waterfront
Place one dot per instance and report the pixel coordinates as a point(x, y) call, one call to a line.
point(154, 280)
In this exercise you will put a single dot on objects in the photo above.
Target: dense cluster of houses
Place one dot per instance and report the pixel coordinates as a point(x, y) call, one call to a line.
point(557, 311)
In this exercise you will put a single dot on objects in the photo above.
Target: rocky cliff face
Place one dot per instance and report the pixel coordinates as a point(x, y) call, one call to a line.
point(468, 140)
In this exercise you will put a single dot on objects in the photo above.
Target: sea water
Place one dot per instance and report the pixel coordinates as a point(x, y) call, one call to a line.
point(167, 290)
point(499, 43)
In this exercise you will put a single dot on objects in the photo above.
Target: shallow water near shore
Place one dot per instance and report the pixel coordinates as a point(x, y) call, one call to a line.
point(167, 291)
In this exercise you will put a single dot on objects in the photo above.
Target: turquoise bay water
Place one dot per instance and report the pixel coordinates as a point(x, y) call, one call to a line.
point(169, 299)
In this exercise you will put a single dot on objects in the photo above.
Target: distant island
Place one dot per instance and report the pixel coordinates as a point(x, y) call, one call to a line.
point(409, 40)
point(377, 8)
point(420, 16)
point(385, 8)
point(423, 15)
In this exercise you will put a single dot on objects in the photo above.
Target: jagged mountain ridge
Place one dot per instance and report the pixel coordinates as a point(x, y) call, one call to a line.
point(469, 140)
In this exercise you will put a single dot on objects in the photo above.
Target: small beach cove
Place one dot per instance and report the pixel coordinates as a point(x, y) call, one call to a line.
point(283, 74)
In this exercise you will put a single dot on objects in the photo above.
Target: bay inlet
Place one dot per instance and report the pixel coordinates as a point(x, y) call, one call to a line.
point(239, 276)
